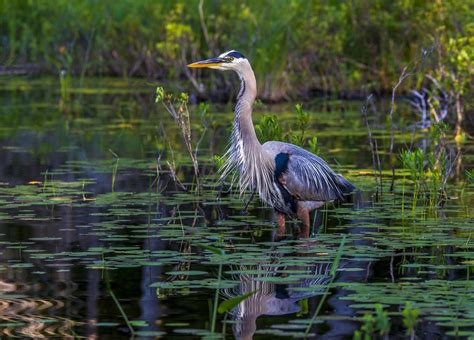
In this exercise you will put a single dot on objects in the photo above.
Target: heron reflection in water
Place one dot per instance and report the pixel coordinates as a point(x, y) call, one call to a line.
point(270, 297)
point(287, 177)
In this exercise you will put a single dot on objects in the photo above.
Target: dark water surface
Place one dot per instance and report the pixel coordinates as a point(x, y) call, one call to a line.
point(98, 238)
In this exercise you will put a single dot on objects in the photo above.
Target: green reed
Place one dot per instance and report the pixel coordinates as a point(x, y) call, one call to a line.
point(332, 273)
point(114, 170)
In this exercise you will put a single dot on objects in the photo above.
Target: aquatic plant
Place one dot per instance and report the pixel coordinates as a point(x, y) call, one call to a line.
point(64, 88)
point(470, 175)
point(334, 267)
point(298, 136)
point(382, 321)
point(313, 145)
point(269, 128)
point(367, 328)
point(116, 301)
point(114, 170)
point(215, 305)
point(414, 161)
point(410, 318)
point(178, 108)
point(374, 323)
point(430, 168)
point(219, 161)
point(227, 305)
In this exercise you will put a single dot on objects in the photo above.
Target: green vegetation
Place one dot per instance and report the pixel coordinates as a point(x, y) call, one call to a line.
point(295, 46)
point(378, 323)
point(429, 169)
point(270, 128)
point(410, 318)
point(227, 305)
point(334, 267)
point(177, 106)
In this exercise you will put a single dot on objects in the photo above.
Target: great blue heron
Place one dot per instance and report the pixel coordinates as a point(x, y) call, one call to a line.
point(288, 178)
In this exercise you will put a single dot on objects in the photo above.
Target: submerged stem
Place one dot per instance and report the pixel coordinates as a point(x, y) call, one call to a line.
point(334, 266)
point(117, 302)
point(216, 300)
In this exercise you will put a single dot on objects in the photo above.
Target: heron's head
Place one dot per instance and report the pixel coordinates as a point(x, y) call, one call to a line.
point(231, 60)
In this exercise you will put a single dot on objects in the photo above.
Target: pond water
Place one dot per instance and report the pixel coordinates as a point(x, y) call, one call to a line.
point(101, 233)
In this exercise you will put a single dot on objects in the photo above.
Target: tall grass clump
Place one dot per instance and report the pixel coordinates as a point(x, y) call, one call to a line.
point(429, 168)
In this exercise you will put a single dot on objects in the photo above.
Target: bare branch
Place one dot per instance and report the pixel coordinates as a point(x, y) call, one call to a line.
point(402, 77)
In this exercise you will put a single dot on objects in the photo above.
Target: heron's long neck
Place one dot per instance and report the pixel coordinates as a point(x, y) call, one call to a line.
point(246, 152)
point(244, 131)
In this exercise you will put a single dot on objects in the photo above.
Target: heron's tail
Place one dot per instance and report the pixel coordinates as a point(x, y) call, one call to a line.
point(345, 186)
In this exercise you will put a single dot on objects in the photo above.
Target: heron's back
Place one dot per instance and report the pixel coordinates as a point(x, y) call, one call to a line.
point(307, 176)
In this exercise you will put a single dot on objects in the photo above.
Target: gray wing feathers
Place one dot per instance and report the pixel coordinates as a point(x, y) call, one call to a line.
point(308, 176)
point(311, 179)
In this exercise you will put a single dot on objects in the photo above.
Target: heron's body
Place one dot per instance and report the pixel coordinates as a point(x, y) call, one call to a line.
point(287, 177)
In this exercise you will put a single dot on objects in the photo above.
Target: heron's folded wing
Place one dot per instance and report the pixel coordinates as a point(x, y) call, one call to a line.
point(309, 178)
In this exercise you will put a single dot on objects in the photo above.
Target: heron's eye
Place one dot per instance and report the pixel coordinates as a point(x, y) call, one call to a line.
point(228, 59)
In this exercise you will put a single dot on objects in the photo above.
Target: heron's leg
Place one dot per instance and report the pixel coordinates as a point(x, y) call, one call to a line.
point(280, 220)
point(303, 214)
point(303, 210)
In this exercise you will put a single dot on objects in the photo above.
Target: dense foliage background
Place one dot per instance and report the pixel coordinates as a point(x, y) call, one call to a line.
point(296, 47)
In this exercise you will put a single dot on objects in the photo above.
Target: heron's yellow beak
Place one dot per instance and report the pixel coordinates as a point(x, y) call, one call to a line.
point(207, 63)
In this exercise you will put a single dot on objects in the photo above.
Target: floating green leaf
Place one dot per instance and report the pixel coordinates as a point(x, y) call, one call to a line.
point(228, 305)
